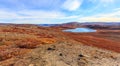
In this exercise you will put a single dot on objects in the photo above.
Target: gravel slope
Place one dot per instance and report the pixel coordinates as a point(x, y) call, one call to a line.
point(68, 54)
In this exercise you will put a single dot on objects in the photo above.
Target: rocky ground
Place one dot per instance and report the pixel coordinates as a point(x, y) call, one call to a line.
point(66, 54)
point(51, 48)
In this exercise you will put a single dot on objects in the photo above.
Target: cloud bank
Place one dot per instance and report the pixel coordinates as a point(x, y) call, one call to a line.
point(59, 11)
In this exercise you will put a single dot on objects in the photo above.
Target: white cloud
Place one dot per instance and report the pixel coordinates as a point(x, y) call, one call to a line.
point(42, 14)
point(72, 5)
point(99, 19)
point(31, 21)
point(6, 14)
point(117, 9)
point(107, 1)
point(103, 1)
point(112, 14)
point(30, 16)
point(108, 17)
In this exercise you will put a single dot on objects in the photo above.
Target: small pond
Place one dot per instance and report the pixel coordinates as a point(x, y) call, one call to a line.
point(80, 30)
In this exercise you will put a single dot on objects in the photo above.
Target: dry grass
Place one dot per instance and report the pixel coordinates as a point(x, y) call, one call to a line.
point(19, 40)
point(106, 40)
point(6, 53)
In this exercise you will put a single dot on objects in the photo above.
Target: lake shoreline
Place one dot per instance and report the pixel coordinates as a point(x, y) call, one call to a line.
point(80, 30)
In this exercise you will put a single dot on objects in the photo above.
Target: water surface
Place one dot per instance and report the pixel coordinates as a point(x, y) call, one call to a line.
point(80, 30)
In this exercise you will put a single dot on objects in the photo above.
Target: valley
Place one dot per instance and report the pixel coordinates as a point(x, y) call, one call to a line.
point(28, 44)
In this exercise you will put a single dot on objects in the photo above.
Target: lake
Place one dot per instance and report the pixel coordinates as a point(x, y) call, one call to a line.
point(80, 30)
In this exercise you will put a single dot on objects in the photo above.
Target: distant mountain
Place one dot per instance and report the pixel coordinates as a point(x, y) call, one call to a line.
point(78, 24)
point(102, 23)
point(71, 24)
point(48, 25)
point(95, 25)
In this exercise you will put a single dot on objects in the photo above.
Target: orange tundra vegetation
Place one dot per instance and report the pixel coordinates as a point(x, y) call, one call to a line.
point(19, 40)
point(106, 40)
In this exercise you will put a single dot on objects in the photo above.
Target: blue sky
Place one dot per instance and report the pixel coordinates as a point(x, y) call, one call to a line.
point(59, 11)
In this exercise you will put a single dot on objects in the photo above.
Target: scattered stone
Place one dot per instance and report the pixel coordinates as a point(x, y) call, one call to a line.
point(50, 48)
point(95, 57)
point(61, 54)
point(80, 55)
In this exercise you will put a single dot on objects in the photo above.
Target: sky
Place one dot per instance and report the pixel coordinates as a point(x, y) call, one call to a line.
point(59, 11)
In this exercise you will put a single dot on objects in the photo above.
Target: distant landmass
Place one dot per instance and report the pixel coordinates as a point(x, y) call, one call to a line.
point(85, 23)
point(95, 25)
